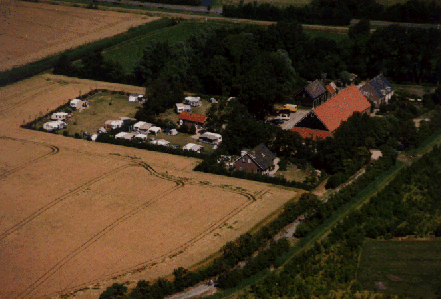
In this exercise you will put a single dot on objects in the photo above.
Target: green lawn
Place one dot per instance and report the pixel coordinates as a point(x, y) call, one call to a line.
point(409, 268)
point(130, 52)
point(94, 117)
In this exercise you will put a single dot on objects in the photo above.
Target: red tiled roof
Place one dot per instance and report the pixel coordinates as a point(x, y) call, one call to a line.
point(340, 107)
point(195, 117)
point(311, 133)
point(330, 89)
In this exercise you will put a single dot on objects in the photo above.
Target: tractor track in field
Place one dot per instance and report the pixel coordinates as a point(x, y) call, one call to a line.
point(146, 264)
point(28, 98)
point(140, 266)
point(54, 150)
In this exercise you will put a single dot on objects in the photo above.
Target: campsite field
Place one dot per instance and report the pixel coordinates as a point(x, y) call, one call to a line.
point(103, 107)
point(78, 215)
point(408, 268)
point(39, 30)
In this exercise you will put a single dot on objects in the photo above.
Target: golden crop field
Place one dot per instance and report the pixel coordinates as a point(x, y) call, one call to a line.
point(31, 31)
point(82, 215)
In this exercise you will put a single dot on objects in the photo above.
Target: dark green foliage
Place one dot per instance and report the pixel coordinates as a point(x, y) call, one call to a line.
point(116, 291)
point(334, 12)
point(317, 12)
point(360, 30)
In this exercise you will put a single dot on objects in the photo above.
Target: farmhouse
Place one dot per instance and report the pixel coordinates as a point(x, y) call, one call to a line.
point(328, 116)
point(193, 101)
point(192, 119)
point(258, 160)
point(211, 138)
point(378, 90)
point(193, 147)
point(181, 108)
point(312, 95)
point(60, 116)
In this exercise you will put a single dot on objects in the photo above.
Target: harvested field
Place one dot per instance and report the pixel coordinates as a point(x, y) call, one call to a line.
point(31, 31)
point(83, 215)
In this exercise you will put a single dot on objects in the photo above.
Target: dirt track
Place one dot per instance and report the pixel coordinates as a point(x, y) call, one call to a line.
point(31, 31)
point(77, 214)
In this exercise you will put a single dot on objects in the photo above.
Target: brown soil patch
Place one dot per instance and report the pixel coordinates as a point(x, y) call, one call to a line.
point(77, 214)
point(31, 31)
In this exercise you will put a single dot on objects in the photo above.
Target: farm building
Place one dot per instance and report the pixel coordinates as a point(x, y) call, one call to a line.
point(181, 108)
point(258, 160)
point(193, 101)
point(192, 119)
point(211, 138)
point(311, 133)
point(378, 90)
point(312, 95)
point(54, 125)
point(60, 116)
point(323, 120)
point(154, 130)
point(136, 98)
point(193, 147)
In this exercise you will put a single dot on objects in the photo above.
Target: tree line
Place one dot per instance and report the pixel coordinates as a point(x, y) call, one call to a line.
point(338, 12)
point(407, 206)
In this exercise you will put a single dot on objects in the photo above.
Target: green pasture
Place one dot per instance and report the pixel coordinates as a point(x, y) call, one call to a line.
point(128, 53)
point(407, 268)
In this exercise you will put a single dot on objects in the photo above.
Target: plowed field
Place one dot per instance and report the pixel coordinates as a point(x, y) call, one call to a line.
point(83, 215)
point(31, 31)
